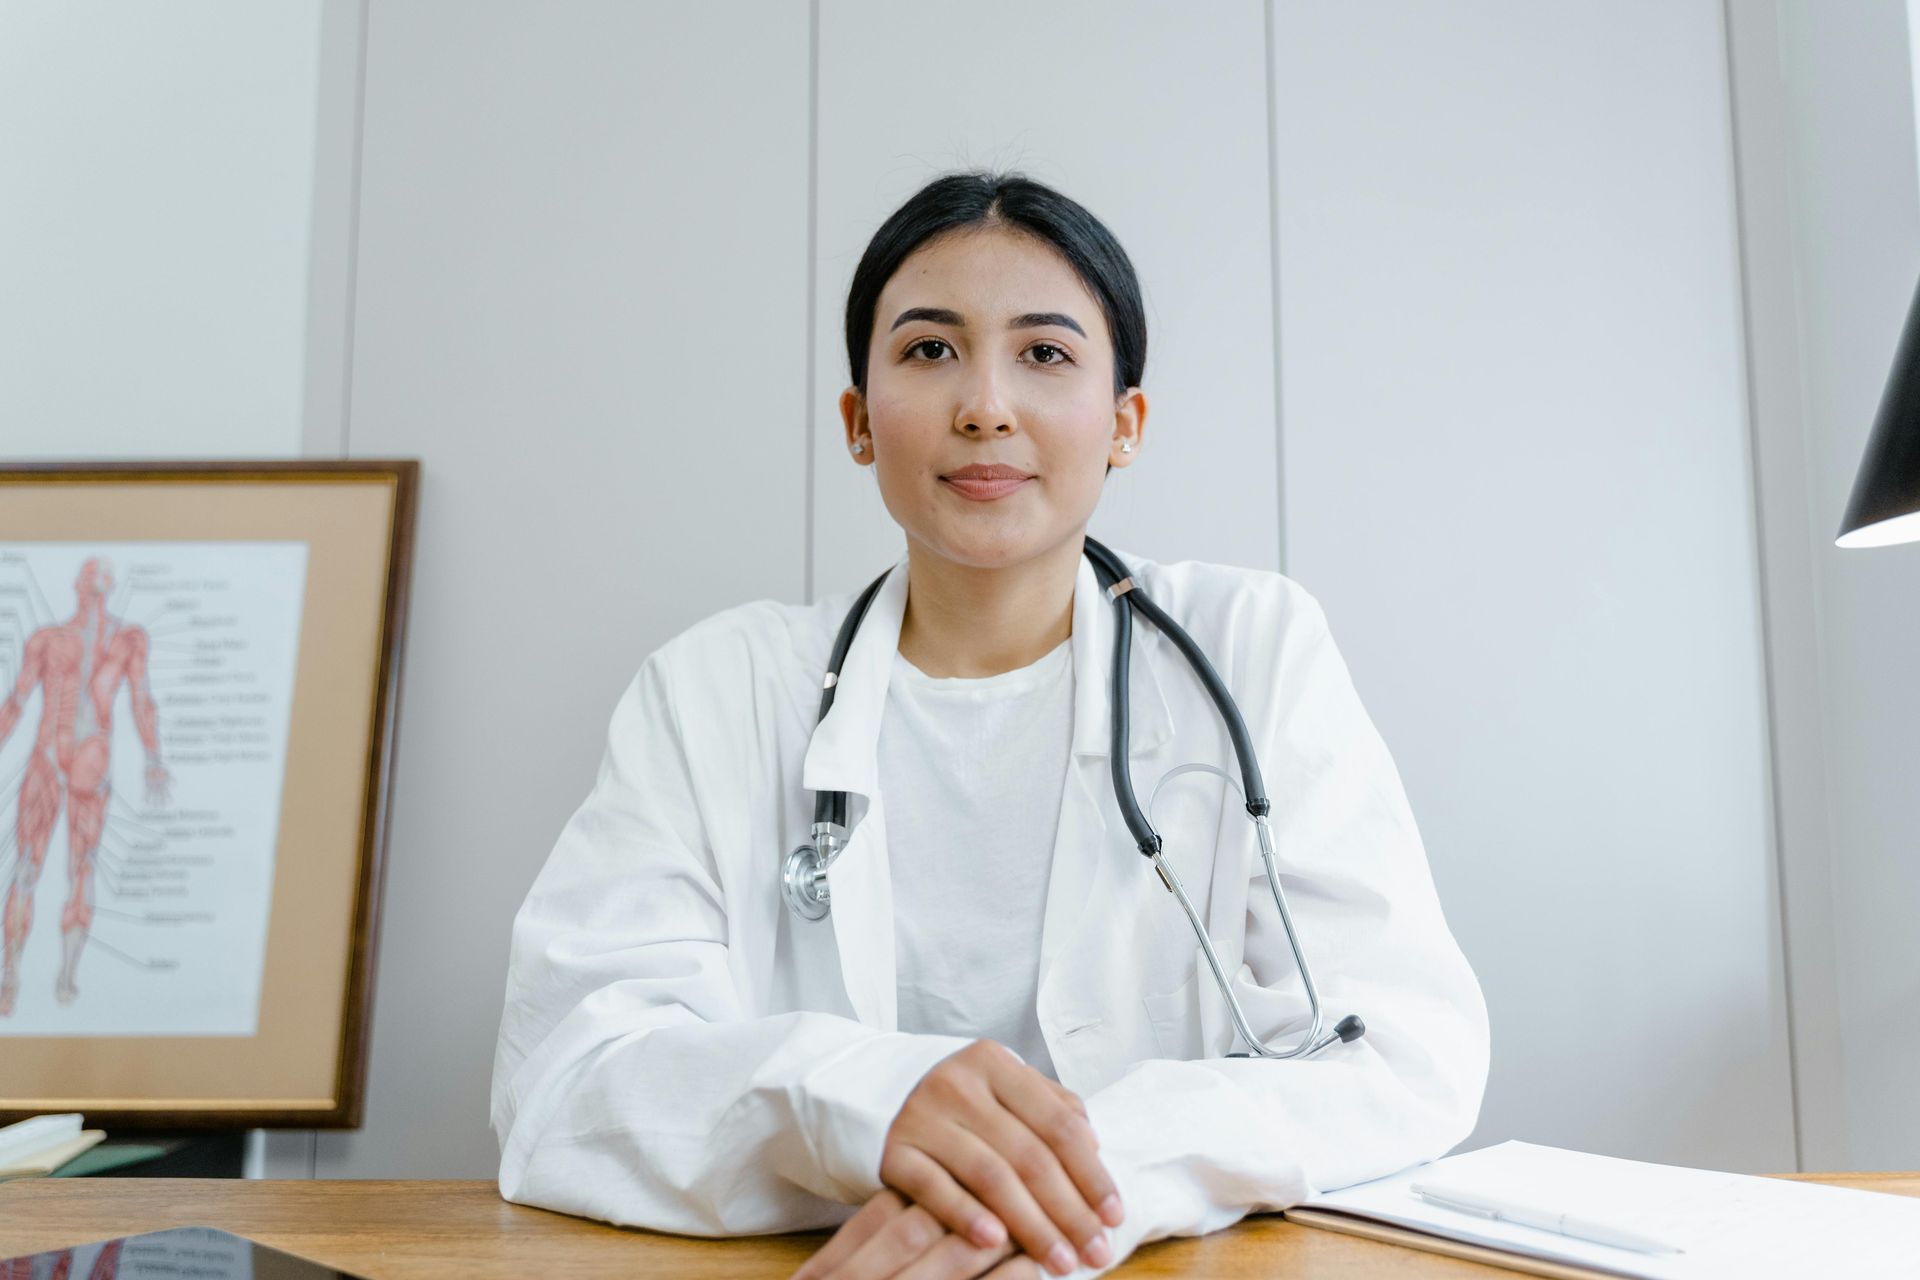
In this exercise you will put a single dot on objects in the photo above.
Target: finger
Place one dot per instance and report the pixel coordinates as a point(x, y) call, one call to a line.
point(954, 1259)
point(906, 1236)
point(852, 1233)
point(987, 1173)
point(1074, 1100)
point(1069, 1135)
point(923, 1181)
point(1026, 1092)
point(1046, 1178)
point(1067, 1095)
point(1018, 1267)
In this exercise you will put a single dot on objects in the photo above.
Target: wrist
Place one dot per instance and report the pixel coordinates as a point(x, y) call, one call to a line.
point(850, 1101)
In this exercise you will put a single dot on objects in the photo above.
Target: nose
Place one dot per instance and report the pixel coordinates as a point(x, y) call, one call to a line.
point(983, 409)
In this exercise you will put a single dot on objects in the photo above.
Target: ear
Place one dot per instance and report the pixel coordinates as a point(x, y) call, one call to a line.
point(1129, 427)
point(853, 415)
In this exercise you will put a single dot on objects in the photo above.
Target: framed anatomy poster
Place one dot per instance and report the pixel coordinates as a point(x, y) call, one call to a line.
point(199, 667)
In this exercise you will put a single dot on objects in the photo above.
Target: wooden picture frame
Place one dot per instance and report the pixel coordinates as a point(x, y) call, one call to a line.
point(238, 626)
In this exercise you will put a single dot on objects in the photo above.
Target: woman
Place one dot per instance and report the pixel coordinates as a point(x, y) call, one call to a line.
point(1002, 1044)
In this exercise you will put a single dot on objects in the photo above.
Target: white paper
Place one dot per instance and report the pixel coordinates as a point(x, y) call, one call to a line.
point(180, 889)
point(1730, 1224)
point(24, 1139)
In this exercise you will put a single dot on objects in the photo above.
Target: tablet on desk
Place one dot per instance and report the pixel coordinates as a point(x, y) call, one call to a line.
point(178, 1253)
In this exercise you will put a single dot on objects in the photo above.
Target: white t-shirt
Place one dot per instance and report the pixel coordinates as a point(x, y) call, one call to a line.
point(972, 769)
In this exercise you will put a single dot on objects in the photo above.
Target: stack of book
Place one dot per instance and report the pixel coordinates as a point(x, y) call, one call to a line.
point(38, 1147)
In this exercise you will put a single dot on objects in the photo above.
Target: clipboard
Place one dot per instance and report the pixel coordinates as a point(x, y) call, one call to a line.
point(1721, 1224)
point(1333, 1220)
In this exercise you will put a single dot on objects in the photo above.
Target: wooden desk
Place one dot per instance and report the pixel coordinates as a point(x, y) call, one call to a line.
point(442, 1230)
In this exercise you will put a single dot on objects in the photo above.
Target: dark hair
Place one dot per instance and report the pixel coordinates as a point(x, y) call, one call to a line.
point(982, 198)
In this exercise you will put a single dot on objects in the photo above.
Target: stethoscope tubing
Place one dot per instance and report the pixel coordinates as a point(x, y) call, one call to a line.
point(1112, 572)
point(804, 871)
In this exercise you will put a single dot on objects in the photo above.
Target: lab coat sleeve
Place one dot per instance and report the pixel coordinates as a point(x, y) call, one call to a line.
point(630, 1083)
point(1195, 1145)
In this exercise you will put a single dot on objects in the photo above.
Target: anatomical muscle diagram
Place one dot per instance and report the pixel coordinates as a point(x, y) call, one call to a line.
point(78, 665)
point(143, 744)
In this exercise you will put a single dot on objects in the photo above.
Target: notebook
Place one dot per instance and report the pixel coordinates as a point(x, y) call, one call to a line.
point(35, 1134)
point(43, 1162)
point(1728, 1224)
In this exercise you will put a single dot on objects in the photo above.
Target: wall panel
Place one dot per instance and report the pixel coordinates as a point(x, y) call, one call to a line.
point(156, 168)
point(1518, 477)
point(581, 302)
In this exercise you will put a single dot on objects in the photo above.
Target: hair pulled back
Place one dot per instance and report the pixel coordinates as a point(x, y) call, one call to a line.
point(978, 199)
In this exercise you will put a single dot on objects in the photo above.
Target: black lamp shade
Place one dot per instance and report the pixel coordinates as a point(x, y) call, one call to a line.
point(1885, 507)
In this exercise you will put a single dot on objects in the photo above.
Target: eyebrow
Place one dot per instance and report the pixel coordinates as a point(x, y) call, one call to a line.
point(1028, 320)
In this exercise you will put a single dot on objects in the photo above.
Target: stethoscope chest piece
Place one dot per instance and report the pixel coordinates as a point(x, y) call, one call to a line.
point(803, 883)
point(803, 874)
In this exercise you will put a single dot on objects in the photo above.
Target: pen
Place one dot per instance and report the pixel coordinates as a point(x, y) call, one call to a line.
point(1562, 1223)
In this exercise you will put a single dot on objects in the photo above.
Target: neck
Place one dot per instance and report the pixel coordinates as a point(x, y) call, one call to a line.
point(963, 621)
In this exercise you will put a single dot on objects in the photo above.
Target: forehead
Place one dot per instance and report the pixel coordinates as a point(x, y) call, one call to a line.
point(989, 272)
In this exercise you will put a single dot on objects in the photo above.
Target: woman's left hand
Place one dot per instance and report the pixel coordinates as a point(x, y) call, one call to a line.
point(892, 1237)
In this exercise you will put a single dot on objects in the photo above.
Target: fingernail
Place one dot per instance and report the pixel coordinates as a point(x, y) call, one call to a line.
point(987, 1231)
point(1099, 1253)
point(1110, 1211)
point(1060, 1259)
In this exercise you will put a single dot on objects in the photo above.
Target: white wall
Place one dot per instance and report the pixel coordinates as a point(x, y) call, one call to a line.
point(1458, 291)
point(594, 337)
point(1862, 252)
point(1516, 455)
point(157, 164)
point(1847, 178)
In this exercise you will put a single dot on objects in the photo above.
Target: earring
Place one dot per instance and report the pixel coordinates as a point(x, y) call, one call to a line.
point(859, 446)
point(1126, 446)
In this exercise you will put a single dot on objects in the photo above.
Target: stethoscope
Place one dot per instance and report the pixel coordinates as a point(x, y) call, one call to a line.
point(803, 876)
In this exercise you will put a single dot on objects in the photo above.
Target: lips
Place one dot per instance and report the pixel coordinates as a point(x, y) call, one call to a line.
point(982, 471)
point(984, 490)
point(984, 483)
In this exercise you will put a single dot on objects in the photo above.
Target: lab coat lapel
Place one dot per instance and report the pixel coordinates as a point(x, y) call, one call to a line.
point(842, 757)
point(1092, 842)
point(863, 920)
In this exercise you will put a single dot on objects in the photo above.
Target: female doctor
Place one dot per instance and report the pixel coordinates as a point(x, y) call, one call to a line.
point(1002, 1050)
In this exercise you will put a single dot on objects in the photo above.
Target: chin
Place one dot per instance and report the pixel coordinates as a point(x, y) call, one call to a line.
point(989, 548)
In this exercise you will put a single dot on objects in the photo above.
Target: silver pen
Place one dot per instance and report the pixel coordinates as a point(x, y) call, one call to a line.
point(1564, 1224)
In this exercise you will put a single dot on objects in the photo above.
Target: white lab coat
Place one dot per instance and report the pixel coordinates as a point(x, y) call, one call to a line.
point(680, 1052)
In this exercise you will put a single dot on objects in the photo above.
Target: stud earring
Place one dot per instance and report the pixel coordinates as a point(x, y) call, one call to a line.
point(859, 446)
point(1126, 446)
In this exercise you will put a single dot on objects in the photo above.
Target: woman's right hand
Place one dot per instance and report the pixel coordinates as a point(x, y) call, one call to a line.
point(990, 1146)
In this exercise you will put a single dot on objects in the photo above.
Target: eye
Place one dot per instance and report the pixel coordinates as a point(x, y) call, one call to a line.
point(936, 342)
point(1060, 354)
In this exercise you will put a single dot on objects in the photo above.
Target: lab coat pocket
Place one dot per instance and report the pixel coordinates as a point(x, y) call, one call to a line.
point(1175, 1019)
